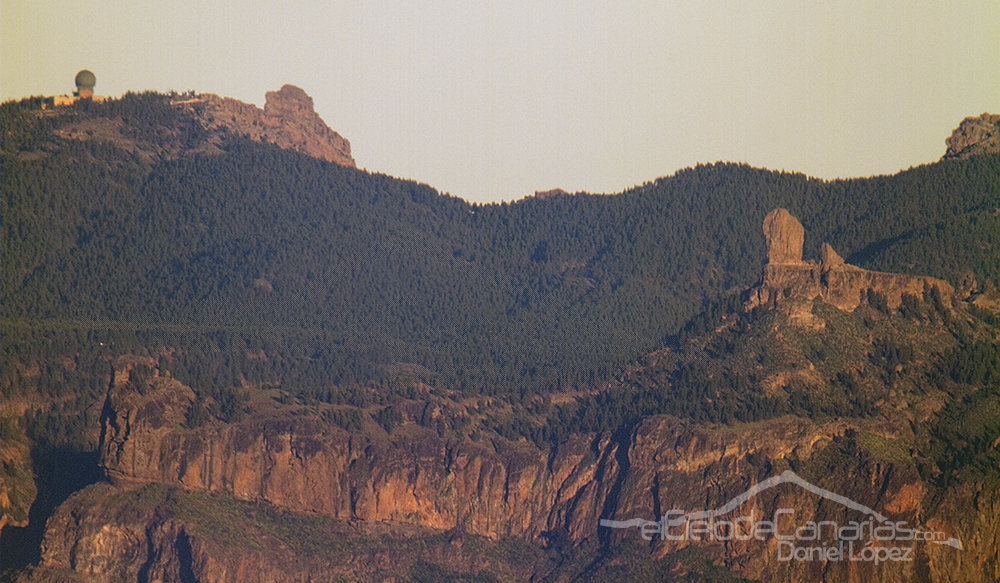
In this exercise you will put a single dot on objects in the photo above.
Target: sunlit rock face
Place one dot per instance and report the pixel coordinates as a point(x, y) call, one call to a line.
point(786, 277)
point(665, 463)
point(302, 463)
point(974, 136)
point(287, 121)
point(785, 236)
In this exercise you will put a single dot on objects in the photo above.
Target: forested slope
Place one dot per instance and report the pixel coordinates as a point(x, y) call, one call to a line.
point(272, 283)
point(336, 273)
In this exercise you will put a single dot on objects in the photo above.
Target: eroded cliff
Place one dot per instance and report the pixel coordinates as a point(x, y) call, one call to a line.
point(673, 492)
point(159, 533)
point(787, 276)
point(426, 485)
point(288, 120)
point(302, 463)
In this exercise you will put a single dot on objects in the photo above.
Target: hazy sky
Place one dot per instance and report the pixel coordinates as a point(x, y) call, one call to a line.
point(494, 100)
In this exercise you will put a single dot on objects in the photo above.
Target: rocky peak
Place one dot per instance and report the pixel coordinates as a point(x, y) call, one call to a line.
point(785, 236)
point(287, 120)
point(787, 277)
point(974, 136)
point(288, 100)
point(829, 258)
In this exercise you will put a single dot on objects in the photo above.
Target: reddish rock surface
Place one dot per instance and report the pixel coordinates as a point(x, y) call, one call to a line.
point(785, 235)
point(287, 120)
point(787, 278)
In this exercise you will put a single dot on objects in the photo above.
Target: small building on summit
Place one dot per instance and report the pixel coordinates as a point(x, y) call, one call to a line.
point(85, 81)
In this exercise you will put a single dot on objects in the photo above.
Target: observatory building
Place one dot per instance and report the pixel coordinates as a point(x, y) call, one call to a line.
point(85, 81)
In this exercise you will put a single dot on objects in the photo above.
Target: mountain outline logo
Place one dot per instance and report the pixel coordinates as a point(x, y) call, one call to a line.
point(786, 477)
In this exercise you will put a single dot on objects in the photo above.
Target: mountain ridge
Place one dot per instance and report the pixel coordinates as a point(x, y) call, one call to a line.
point(288, 120)
point(300, 304)
point(406, 473)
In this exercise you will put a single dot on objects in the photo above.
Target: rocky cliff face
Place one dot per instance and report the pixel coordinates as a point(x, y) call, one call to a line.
point(974, 136)
point(786, 276)
point(674, 467)
point(173, 511)
point(165, 534)
point(17, 488)
point(419, 481)
point(287, 120)
point(200, 503)
point(305, 464)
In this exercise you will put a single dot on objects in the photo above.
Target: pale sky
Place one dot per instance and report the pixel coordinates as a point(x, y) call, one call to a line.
point(493, 100)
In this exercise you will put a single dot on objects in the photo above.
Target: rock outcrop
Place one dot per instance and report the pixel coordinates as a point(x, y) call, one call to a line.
point(287, 120)
point(17, 487)
point(974, 136)
point(305, 464)
point(785, 236)
point(829, 258)
point(412, 481)
point(679, 469)
point(167, 534)
point(417, 480)
point(787, 277)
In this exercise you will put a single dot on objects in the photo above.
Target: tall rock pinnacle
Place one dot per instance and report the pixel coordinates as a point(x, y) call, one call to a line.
point(785, 236)
point(301, 128)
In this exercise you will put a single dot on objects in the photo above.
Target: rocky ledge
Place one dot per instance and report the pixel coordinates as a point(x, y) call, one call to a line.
point(974, 136)
point(287, 121)
point(787, 277)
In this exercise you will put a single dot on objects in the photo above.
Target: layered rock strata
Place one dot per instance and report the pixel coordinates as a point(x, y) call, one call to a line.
point(418, 479)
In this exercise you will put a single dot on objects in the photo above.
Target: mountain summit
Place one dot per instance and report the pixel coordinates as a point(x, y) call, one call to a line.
point(974, 136)
point(249, 362)
point(288, 121)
